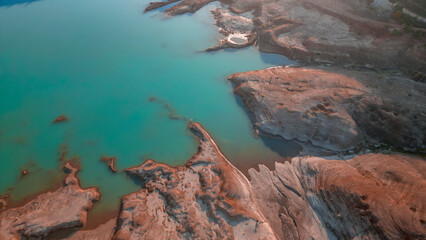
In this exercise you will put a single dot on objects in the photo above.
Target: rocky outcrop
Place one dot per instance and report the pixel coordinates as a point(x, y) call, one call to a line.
point(371, 196)
point(207, 198)
point(59, 119)
point(229, 23)
point(155, 5)
point(110, 162)
point(24, 173)
point(65, 208)
point(184, 6)
point(336, 108)
point(238, 30)
point(342, 31)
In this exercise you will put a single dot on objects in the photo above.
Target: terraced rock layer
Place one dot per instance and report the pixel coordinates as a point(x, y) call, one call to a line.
point(370, 196)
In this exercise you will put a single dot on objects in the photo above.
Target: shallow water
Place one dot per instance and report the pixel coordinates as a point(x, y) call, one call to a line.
point(98, 62)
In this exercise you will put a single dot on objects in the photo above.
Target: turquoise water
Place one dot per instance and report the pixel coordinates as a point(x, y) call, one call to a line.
point(98, 62)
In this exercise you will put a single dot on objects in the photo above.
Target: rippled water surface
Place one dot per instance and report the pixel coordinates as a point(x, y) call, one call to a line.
point(98, 62)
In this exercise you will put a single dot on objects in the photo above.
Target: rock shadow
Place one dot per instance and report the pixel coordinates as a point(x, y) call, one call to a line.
point(284, 148)
point(9, 3)
point(276, 59)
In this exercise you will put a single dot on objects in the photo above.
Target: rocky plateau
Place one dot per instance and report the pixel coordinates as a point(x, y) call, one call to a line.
point(338, 109)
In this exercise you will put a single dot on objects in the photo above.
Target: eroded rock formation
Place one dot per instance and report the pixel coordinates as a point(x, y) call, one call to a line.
point(371, 196)
point(208, 198)
point(342, 31)
point(336, 108)
point(65, 208)
point(110, 162)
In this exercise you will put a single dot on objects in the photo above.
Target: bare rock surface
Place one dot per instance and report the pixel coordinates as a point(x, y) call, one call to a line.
point(341, 31)
point(65, 208)
point(371, 196)
point(208, 198)
point(238, 30)
point(335, 31)
point(229, 23)
point(336, 108)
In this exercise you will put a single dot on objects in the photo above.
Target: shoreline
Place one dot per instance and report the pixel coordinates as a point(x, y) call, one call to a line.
point(349, 118)
point(210, 153)
point(264, 30)
point(96, 217)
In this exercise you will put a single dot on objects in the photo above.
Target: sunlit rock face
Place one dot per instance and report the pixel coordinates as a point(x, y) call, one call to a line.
point(336, 108)
point(371, 196)
point(65, 208)
point(208, 198)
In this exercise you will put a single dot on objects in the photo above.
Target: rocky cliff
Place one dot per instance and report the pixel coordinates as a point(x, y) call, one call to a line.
point(336, 108)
